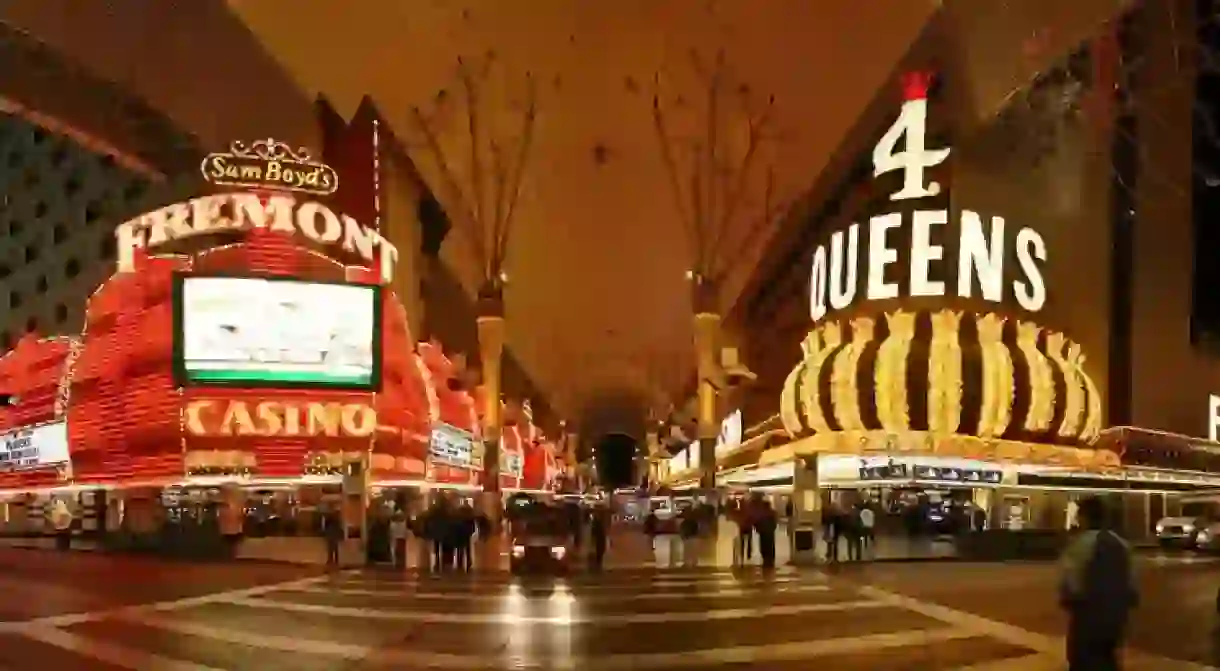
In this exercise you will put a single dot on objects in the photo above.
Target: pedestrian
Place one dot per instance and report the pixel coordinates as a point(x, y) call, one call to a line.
point(464, 527)
point(868, 536)
point(650, 528)
point(831, 532)
point(1097, 590)
point(332, 533)
point(688, 530)
point(765, 524)
point(599, 532)
point(61, 521)
point(853, 533)
point(435, 524)
point(398, 534)
point(745, 531)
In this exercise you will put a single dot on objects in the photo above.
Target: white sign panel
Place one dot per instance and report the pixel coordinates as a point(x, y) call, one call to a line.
point(451, 446)
point(253, 330)
point(35, 446)
point(730, 433)
point(511, 464)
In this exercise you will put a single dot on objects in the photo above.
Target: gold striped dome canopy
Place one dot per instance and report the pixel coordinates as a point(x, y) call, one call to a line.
point(945, 373)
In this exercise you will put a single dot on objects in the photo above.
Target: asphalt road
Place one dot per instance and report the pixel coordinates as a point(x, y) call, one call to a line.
point(98, 613)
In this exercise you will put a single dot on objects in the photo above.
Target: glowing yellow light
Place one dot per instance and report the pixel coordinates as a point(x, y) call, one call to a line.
point(1041, 380)
point(832, 337)
point(890, 376)
point(845, 387)
point(1074, 394)
point(789, 410)
point(1092, 417)
point(998, 381)
point(945, 373)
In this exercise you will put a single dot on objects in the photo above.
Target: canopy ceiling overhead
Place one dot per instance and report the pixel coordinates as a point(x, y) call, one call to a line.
point(598, 306)
point(597, 302)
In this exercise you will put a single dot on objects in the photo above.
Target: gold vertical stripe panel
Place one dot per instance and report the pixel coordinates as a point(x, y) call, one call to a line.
point(811, 393)
point(789, 401)
point(945, 373)
point(1041, 380)
point(890, 372)
point(1092, 416)
point(998, 382)
point(845, 382)
point(1074, 393)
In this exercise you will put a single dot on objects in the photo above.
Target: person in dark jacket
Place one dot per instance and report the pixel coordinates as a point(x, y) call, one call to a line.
point(436, 524)
point(765, 522)
point(1098, 591)
point(332, 532)
point(463, 528)
point(599, 533)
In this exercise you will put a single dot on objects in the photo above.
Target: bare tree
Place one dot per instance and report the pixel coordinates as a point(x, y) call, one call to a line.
point(712, 163)
point(482, 200)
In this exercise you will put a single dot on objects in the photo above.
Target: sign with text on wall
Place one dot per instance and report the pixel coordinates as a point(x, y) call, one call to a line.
point(995, 262)
point(215, 417)
point(34, 446)
point(271, 165)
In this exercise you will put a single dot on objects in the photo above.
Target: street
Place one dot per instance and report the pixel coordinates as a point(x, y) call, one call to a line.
point(98, 612)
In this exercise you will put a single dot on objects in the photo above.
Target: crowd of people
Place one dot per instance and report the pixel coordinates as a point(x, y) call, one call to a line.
point(446, 531)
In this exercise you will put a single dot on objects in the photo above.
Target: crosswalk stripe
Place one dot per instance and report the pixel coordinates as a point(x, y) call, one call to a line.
point(1039, 661)
point(558, 620)
point(591, 586)
point(1008, 633)
point(110, 653)
point(615, 662)
point(564, 593)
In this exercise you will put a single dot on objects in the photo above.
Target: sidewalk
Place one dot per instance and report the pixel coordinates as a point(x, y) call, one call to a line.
point(628, 548)
point(718, 550)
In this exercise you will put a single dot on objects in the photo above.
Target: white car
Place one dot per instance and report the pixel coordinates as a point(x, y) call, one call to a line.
point(1179, 531)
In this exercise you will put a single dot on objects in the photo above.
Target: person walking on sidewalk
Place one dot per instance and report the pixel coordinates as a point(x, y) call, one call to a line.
point(398, 535)
point(332, 533)
point(61, 521)
point(1098, 591)
point(688, 529)
point(599, 532)
point(744, 516)
point(765, 523)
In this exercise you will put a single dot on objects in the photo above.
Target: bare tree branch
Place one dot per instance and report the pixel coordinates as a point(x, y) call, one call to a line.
point(523, 150)
point(671, 168)
point(713, 139)
point(476, 159)
point(452, 187)
point(733, 198)
point(753, 235)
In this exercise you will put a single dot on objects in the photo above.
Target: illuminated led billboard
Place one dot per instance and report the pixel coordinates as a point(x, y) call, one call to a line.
point(249, 331)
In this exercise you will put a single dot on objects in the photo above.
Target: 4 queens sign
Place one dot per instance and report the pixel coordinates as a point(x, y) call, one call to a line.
point(910, 254)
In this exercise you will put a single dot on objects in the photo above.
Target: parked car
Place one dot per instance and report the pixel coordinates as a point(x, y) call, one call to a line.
point(1207, 537)
point(1179, 531)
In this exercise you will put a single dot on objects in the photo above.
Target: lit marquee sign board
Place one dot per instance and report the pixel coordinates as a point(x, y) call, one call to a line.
point(279, 419)
point(850, 269)
point(273, 172)
point(247, 211)
point(268, 164)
